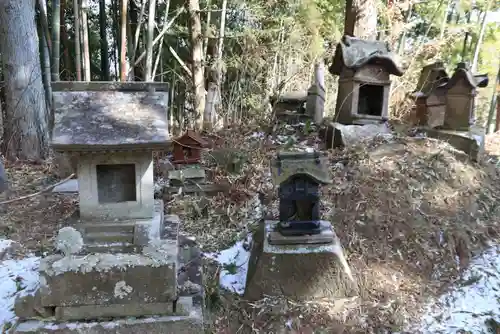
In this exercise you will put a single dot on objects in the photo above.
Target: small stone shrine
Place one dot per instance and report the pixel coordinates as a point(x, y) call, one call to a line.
point(430, 95)
point(119, 260)
point(364, 68)
point(445, 107)
point(299, 256)
point(460, 98)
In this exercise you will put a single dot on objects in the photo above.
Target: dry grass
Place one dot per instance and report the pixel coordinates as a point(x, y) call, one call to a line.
point(33, 221)
point(410, 214)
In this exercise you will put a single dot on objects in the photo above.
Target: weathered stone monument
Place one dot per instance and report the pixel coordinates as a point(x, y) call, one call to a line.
point(299, 256)
point(117, 265)
point(299, 106)
point(364, 68)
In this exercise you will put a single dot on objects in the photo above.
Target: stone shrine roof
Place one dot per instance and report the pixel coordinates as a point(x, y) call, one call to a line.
point(432, 76)
point(288, 164)
point(93, 119)
point(463, 71)
point(355, 53)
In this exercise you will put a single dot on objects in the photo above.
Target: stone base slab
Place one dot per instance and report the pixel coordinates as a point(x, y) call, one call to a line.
point(183, 306)
point(471, 142)
point(105, 278)
point(324, 237)
point(300, 272)
point(187, 324)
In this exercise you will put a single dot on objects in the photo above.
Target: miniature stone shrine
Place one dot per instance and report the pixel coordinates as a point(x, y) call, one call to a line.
point(187, 148)
point(120, 257)
point(299, 255)
point(460, 98)
point(363, 68)
point(430, 96)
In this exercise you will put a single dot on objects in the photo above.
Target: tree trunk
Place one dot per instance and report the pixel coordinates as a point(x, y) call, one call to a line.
point(361, 19)
point(123, 40)
point(67, 69)
point(78, 55)
point(198, 81)
point(56, 35)
point(104, 41)
point(494, 102)
point(160, 48)
point(44, 53)
point(480, 39)
point(26, 121)
point(85, 41)
point(42, 7)
point(149, 41)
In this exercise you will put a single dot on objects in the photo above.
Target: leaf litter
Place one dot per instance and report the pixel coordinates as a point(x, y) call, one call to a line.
point(410, 212)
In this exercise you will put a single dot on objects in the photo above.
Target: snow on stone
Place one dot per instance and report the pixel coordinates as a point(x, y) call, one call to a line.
point(18, 278)
point(469, 305)
point(234, 262)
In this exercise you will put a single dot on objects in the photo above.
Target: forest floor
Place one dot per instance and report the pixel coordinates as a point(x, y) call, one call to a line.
point(416, 220)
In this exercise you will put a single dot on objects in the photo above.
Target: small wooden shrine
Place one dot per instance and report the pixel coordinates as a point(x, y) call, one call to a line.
point(364, 68)
point(187, 148)
point(430, 95)
point(460, 97)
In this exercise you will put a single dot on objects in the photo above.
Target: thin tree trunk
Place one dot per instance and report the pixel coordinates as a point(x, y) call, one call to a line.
point(207, 32)
point(198, 80)
point(480, 39)
point(361, 19)
point(42, 7)
point(443, 22)
point(67, 69)
point(78, 55)
point(85, 42)
point(116, 38)
point(123, 41)
point(160, 47)
point(214, 94)
point(26, 121)
point(467, 33)
point(45, 54)
point(104, 41)
point(149, 41)
point(135, 22)
point(494, 102)
point(56, 34)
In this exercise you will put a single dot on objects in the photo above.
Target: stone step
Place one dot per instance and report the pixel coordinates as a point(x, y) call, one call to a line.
point(107, 227)
point(108, 237)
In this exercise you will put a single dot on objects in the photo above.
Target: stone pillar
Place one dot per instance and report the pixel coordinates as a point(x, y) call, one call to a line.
point(316, 94)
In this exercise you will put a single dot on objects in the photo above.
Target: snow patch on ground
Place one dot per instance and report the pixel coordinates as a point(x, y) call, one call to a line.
point(471, 303)
point(18, 278)
point(234, 262)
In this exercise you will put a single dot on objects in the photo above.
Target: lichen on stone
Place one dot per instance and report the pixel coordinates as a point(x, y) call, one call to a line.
point(122, 289)
point(68, 241)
